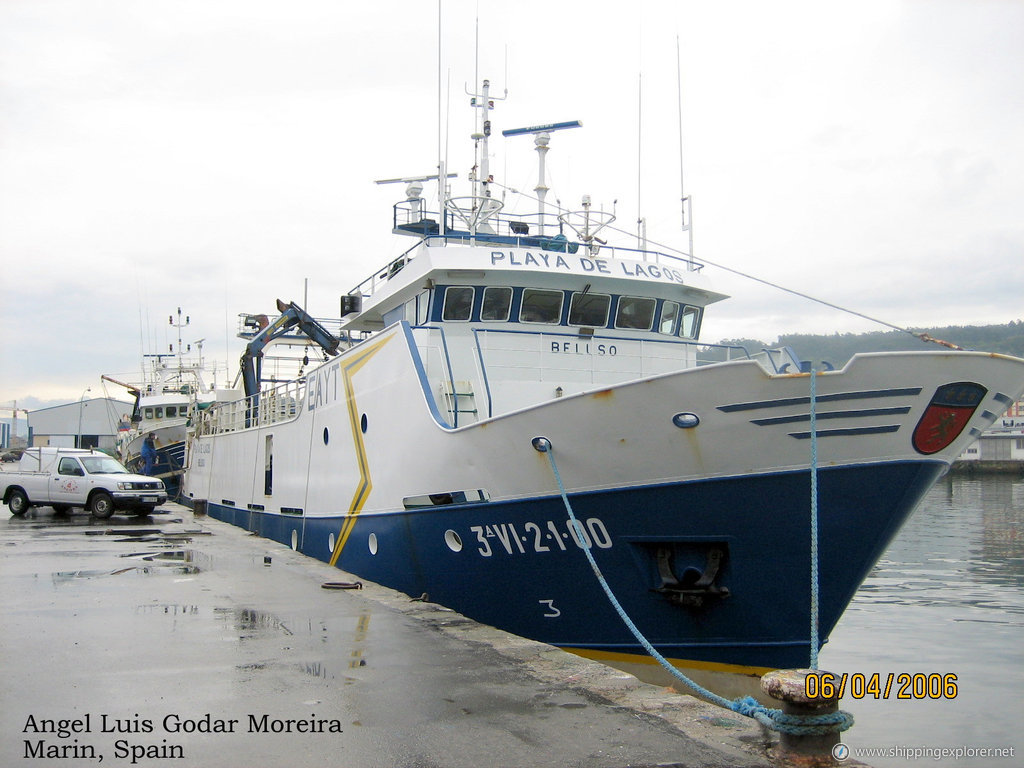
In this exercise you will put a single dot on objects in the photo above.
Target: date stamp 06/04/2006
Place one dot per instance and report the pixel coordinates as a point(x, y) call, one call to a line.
point(881, 685)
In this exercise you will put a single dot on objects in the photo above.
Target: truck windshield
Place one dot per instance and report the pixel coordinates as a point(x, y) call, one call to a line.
point(103, 465)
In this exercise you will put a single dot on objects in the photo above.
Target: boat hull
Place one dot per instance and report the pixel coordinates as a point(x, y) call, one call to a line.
point(512, 573)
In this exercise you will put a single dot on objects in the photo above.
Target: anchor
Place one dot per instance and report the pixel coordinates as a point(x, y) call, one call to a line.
point(694, 593)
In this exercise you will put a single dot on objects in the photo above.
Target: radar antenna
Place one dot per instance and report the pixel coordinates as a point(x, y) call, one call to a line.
point(414, 193)
point(541, 139)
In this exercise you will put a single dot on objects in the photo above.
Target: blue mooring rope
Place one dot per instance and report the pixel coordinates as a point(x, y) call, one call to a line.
point(814, 519)
point(776, 719)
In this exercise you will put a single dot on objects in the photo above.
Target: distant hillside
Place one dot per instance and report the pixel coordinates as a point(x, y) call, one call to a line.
point(837, 348)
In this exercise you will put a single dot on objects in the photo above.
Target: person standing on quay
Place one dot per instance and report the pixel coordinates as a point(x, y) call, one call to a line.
point(149, 453)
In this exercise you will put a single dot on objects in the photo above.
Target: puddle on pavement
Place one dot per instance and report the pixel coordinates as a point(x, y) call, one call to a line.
point(251, 623)
point(189, 556)
point(355, 658)
point(41, 522)
point(169, 609)
point(322, 671)
point(147, 534)
point(60, 577)
point(157, 563)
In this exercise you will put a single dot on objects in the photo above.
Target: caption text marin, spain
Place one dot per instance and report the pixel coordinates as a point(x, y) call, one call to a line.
point(94, 736)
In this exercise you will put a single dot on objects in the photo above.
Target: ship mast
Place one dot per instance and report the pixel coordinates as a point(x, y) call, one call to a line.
point(541, 139)
point(481, 176)
point(181, 351)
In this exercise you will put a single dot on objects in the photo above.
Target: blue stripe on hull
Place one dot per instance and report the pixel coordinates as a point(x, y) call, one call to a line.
point(761, 523)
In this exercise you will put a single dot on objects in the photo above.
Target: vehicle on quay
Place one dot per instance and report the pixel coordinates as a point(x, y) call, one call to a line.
point(63, 478)
point(504, 356)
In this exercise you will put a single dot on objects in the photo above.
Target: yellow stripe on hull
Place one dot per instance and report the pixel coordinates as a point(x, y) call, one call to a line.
point(613, 658)
point(348, 370)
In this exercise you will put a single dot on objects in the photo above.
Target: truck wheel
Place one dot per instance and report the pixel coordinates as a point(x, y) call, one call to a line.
point(102, 505)
point(18, 502)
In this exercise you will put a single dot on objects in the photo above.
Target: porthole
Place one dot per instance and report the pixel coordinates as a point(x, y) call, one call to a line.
point(453, 540)
point(371, 542)
point(327, 436)
point(686, 420)
point(362, 423)
point(295, 540)
point(330, 543)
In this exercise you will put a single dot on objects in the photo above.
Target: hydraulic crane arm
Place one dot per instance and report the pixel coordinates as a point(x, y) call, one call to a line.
point(292, 316)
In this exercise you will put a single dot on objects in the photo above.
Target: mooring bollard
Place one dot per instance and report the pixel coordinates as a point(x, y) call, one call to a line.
point(790, 686)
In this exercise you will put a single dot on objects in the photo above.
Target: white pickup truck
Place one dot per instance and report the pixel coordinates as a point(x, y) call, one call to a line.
point(71, 477)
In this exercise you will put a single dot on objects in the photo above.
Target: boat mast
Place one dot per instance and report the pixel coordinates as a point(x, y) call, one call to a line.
point(480, 206)
point(441, 188)
point(179, 325)
point(541, 140)
point(687, 213)
point(483, 102)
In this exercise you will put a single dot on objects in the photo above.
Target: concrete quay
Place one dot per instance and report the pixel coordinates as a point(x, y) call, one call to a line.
point(174, 640)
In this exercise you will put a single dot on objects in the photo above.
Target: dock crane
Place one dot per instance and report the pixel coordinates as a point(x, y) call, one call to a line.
point(14, 409)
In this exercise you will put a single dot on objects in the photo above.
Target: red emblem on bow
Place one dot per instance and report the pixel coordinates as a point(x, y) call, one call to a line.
point(947, 414)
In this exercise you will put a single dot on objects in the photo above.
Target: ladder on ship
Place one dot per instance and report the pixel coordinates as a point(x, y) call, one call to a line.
point(459, 401)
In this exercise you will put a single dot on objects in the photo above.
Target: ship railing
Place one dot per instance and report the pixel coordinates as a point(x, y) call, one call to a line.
point(525, 230)
point(281, 403)
point(508, 230)
point(379, 279)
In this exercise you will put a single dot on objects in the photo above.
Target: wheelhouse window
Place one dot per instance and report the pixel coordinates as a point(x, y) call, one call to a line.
point(541, 306)
point(669, 318)
point(497, 304)
point(172, 411)
point(148, 412)
point(635, 313)
point(690, 326)
point(589, 309)
point(159, 411)
point(423, 308)
point(458, 303)
point(416, 309)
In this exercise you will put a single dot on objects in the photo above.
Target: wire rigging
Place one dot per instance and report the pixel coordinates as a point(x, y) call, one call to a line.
point(754, 278)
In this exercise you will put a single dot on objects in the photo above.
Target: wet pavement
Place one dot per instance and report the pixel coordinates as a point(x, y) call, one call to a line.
point(179, 641)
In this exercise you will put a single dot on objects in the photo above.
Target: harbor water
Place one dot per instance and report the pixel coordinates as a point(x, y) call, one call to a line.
point(946, 599)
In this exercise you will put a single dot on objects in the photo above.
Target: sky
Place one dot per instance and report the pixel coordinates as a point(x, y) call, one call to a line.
point(216, 155)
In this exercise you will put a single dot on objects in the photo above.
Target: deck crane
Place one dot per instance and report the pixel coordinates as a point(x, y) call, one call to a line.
point(292, 315)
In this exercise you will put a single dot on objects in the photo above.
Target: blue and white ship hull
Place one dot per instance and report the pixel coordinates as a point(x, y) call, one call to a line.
point(553, 596)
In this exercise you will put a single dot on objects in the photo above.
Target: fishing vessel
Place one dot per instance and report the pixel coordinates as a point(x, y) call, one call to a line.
point(173, 390)
point(410, 457)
